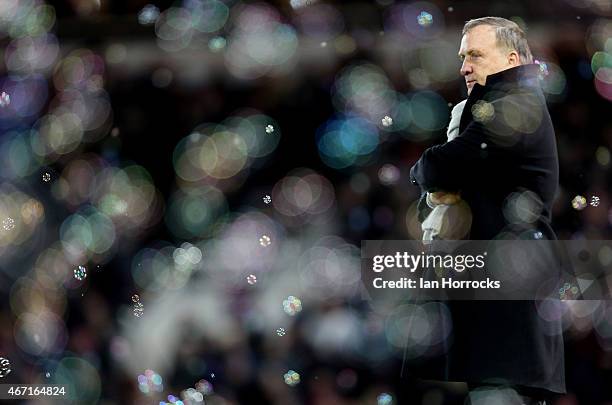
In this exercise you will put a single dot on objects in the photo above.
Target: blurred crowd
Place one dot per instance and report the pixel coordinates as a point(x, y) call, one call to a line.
point(185, 185)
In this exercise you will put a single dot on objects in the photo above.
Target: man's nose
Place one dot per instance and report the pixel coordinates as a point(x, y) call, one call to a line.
point(466, 68)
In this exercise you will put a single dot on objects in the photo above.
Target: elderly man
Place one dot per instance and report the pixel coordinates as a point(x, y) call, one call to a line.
point(504, 166)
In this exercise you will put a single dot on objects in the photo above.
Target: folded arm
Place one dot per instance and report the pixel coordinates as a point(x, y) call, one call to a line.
point(465, 161)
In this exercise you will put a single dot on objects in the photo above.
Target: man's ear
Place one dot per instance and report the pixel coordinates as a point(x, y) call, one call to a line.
point(514, 59)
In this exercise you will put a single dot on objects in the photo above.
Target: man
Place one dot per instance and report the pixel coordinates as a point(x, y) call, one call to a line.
point(504, 166)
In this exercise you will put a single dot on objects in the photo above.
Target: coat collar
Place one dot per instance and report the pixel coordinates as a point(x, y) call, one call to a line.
point(523, 76)
point(519, 76)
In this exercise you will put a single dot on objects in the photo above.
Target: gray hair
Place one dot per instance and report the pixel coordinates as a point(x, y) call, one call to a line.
point(508, 34)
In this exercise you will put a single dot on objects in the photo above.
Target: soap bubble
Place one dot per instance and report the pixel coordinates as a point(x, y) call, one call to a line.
point(384, 399)
point(150, 382)
point(5, 99)
point(80, 273)
point(388, 174)
point(216, 44)
point(8, 224)
point(148, 15)
point(543, 69)
point(579, 203)
point(5, 367)
point(292, 305)
point(138, 309)
point(425, 19)
point(265, 241)
point(292, 378)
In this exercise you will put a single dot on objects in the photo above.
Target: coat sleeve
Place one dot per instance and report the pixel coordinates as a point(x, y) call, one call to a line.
point(468, 160)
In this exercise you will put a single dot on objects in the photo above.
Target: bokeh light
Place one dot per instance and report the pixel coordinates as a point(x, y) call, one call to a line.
point(236, 251)
point(259, 42)
point(303, 196)
point(419, 329)
point(346, 142)
point(30, 55)
point(28, 96)
point(196, 212)
point(128, 197)
point(330, 269)
point(321, 22)
point(80, 377)
point(87, 234)
point(174, 29)
point(421, 20)
point(363, 90)
point(209, 16)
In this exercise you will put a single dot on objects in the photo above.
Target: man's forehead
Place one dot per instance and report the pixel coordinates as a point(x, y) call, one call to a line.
point(481, 30)
point(477, 38)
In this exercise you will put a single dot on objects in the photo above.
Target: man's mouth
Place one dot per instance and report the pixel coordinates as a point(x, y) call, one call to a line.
point(470, 82)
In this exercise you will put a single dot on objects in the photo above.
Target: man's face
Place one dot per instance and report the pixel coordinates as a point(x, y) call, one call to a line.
point(481, 56)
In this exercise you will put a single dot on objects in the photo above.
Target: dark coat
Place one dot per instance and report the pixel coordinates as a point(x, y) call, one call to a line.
point(505, 164)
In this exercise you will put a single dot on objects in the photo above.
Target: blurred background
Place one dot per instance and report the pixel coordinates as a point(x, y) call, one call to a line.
point(184, 187)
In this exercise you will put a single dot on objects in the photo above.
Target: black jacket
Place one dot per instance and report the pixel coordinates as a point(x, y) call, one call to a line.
point(505, 164)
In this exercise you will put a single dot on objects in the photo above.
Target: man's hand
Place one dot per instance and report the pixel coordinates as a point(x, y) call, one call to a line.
point(442, 197)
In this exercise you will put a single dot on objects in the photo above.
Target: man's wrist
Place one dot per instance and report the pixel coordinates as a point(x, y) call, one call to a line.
point(438, 198)
point(429, 202)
